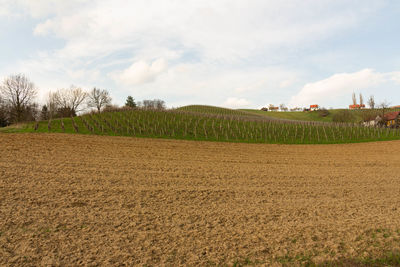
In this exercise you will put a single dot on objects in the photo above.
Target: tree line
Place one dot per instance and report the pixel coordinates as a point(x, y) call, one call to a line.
point(18, 102)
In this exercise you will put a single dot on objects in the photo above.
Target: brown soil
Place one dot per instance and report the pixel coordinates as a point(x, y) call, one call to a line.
point(74, 199)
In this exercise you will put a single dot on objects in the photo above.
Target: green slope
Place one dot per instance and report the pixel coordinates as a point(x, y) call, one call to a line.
point(178, 124)
point(299, 116)
point(204, 109)
point(359, 115)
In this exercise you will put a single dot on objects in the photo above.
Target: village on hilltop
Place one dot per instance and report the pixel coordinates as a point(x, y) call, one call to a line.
point(381, 115)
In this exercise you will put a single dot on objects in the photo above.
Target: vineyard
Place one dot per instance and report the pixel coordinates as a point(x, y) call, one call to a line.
point(204, 109)
point(358, 115)
point(212, 124)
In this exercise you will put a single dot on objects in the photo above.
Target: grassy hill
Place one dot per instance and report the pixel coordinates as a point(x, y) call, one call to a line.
point(299, 116)
point(358, 115)
point(207, 110)
point(217, 124)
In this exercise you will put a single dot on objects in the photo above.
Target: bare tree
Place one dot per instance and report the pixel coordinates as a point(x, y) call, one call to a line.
point(152, 104)
point(354, 99)
point(98, 98)
point(19, 92)
point(282, 107)
point(4, 119)
point(159, 104)
point(384, 106)
point(70, 100)
point(361, 100)
point(52, 104)
point(371, 102)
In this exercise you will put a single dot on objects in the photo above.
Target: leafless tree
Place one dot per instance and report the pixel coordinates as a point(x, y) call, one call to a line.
point(71, 99)
point(98, 98)
point(159, 104)
point(152, 104)
point(52, 104)
point(282, 107)
point(371, 102)
point(361, 100)
point(19, 92)
point(4, 114)
point(384, 106)
point(354, 99)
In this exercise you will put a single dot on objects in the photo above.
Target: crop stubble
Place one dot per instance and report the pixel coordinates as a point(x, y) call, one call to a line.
point(75, 199)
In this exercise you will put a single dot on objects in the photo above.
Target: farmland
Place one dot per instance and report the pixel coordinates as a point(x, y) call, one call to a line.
point(98, 200)
point(294, 115)
point(358, 114)
point(211, 124)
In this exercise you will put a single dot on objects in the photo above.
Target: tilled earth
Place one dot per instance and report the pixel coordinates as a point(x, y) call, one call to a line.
point(91, 200)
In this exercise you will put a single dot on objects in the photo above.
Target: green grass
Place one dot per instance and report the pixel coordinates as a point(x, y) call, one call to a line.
point(207, 110)
point(314, 115)
point(188, 125)
point(298, 116)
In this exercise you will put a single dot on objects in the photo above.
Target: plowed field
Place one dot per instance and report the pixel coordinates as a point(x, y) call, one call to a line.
point(92, 200)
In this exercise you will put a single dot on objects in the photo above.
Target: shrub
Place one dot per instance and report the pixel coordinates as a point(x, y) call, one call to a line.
point(65, 112)
point(323, 112)
point(343, 116)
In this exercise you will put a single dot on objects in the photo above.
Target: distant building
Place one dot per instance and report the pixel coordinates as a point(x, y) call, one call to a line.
point(373, 121)
point(271, 108)
point(314, 107)
point(392, 119)
point(356, 106)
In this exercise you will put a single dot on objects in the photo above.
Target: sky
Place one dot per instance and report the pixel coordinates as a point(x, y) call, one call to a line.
point(230, 53)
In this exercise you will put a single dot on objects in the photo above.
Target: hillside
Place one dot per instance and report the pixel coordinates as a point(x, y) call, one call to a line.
point(204, 109)
point(299, 116)
point(358, 115)
point(180, 124)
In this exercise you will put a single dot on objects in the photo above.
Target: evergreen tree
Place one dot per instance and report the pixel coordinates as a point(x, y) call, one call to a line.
point(130, 102)
point(44, 115)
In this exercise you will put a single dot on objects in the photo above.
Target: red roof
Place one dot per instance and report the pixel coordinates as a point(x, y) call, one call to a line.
point(313, 106)
point(392, 115)
point(354, 106)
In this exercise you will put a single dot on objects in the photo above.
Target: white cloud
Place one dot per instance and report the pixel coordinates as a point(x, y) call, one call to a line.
point(218, 30)
point(233, 102)
point(43, 8)
point(140, 72)
point(214, 49)
point(5, 9)
point(396, 76)
point(339, 85)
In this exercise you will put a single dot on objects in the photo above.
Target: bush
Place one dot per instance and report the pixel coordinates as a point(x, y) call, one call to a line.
point(112, 108)
point(323, 112)
point(343, 116)
point(152, 104)
point(65, 112)
point(4, 115)
point(369, 115)
point(3, 118)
